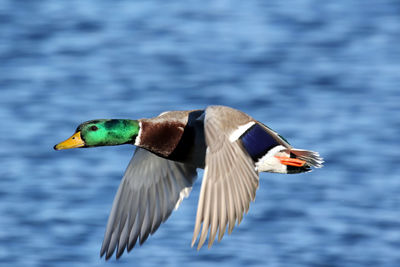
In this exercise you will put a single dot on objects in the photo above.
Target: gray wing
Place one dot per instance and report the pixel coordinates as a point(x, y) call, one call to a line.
point(150, 189)
point(230, 180)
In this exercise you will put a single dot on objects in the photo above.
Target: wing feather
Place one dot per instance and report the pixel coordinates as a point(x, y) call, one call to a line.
point(230, 180)
point(223, 211)
point(148, 193)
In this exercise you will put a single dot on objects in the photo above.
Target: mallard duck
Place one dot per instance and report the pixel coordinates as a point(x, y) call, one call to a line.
point(231, 147)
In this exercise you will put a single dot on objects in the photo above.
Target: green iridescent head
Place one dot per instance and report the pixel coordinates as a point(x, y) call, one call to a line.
point(103, 132)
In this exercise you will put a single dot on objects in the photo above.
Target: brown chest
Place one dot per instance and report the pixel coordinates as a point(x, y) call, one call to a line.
point(161, 137)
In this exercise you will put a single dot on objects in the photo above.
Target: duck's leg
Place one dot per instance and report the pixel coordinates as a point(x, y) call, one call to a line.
point(291, 161)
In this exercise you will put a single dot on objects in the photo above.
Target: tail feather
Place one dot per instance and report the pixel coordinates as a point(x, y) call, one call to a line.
point(311, 157)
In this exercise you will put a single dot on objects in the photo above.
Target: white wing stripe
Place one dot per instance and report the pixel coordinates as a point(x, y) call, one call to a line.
point(240, 130)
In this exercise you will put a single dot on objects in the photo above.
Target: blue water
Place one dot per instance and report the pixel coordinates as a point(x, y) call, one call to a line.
point(324, 74)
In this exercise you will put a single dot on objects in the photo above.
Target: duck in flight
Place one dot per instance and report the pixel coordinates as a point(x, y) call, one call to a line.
point(231, 147)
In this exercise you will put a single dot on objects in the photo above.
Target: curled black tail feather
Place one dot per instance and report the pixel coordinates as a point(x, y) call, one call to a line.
point(313, 159)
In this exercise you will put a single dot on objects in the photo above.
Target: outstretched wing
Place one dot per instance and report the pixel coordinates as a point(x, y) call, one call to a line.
point(230, 180)
point(150, 189)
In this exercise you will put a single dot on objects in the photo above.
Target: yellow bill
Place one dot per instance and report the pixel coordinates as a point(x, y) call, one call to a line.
point(72, 142)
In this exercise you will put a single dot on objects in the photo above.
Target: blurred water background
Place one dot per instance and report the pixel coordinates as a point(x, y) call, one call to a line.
point(324, 74)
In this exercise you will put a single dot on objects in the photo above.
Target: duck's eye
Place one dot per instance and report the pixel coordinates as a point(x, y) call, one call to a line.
point(94, 128)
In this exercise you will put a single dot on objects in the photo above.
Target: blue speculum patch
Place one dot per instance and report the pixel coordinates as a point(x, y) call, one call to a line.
point(257, 142)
